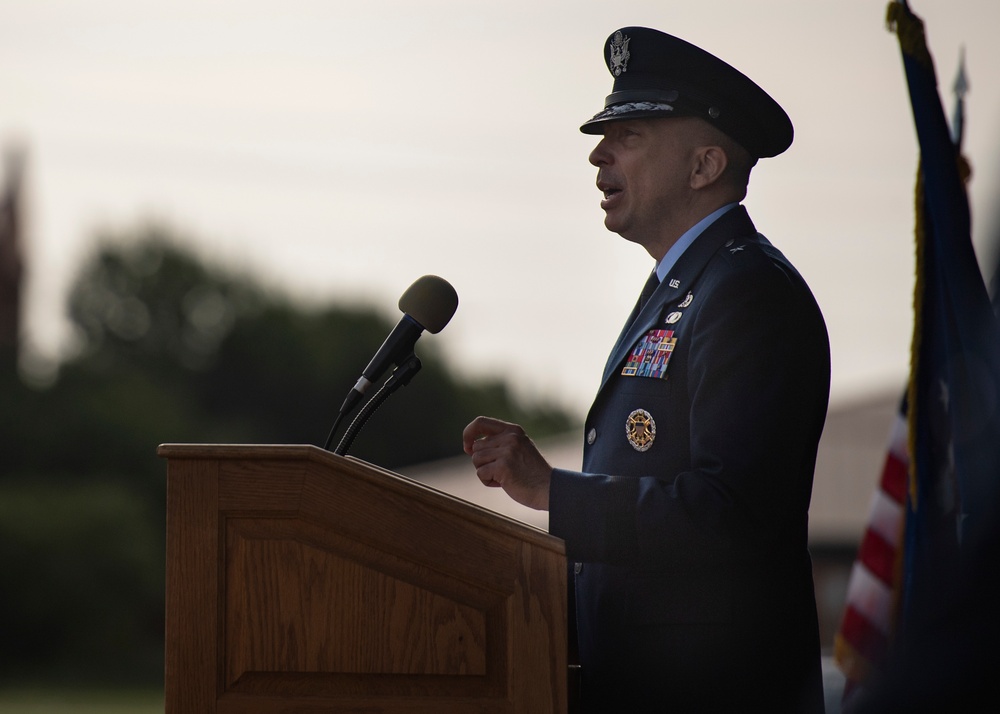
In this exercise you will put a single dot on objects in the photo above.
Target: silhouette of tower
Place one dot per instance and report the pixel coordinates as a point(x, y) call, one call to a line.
point(11, 267)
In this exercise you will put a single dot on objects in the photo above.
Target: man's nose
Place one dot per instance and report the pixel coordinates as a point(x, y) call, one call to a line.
point(600, 156)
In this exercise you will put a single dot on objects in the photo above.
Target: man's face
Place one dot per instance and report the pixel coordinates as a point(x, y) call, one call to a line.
point(643, 170)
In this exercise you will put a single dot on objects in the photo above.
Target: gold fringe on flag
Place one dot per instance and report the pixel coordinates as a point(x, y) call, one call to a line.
point(913, 42)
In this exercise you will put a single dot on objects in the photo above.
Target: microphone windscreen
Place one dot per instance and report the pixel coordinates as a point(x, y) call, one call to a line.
point(431, 301)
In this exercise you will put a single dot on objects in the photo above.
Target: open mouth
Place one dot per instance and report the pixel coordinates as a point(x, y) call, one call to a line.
point(611, 194)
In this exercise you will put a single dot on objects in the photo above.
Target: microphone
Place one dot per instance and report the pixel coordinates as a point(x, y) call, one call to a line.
point(428, 304)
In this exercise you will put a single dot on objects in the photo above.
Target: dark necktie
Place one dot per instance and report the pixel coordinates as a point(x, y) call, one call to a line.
point(652, 282)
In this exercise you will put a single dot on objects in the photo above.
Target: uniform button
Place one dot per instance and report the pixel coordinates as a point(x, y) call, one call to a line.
point(592, 436)
point(577, 568)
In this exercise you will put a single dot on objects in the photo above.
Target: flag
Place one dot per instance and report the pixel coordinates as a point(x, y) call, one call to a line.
point(941, 613)
point(995, 282)
point(954, 388)
point(995, 247)
point(862, 642)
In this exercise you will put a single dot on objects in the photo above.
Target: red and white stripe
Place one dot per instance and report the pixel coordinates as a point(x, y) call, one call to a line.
point(870, 609)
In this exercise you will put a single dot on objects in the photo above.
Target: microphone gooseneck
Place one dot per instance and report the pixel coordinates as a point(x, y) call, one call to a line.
point(400, 377)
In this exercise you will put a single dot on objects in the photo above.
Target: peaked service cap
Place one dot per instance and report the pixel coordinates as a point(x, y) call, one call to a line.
point(659, 75)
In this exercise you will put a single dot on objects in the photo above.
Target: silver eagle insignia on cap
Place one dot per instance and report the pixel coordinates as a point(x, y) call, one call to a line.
point(619, 53)
point(640, 429)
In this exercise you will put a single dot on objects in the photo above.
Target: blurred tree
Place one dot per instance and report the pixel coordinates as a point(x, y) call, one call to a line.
point(223, 360)
point(82, 592)
point(171, 349)
point(145, 300)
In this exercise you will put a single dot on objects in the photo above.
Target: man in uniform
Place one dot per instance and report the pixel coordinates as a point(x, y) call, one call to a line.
point(691, 583)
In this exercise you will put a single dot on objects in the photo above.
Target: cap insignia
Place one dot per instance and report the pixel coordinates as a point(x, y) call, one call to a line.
point(640, 429)
point(619, 54)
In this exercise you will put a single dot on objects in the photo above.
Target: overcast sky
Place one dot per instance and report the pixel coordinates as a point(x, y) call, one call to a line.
point(342, 149)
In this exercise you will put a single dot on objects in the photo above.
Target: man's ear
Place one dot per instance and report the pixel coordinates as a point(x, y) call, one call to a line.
point(709, 164)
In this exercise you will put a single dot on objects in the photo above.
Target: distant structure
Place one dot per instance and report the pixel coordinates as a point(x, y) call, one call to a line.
point(11, 266)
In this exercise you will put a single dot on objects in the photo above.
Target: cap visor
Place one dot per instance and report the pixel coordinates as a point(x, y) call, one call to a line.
point(628, 110)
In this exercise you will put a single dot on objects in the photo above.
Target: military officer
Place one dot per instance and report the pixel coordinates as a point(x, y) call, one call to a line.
point(691, 583)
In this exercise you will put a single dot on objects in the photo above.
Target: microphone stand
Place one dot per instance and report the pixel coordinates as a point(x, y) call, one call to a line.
point(400, 377)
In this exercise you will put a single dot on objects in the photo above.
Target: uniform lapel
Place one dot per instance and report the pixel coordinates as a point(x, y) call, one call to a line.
point(645, 296)
point(677, 283)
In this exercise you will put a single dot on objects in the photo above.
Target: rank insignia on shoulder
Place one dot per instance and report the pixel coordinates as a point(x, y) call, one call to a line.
point(651, 355)
point(640, 429)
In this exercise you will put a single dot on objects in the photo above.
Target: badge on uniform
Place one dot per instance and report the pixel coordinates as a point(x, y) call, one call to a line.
point(640, 429)
point(651, 355)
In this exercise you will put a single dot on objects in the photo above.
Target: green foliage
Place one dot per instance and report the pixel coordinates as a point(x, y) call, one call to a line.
point(174, 350)
point(143, 299)
point(83, 580)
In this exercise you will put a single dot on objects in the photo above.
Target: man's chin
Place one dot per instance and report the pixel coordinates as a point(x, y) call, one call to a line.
point(613, 225)
point(619, 228)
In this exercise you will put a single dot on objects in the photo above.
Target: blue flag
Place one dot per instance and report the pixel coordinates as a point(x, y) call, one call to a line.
point(954, 394)
point(947, 626)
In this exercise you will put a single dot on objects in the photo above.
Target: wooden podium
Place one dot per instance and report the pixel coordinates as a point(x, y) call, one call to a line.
point(302, 581)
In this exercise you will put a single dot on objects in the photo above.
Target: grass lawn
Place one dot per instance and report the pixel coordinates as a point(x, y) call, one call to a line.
point(59, 701)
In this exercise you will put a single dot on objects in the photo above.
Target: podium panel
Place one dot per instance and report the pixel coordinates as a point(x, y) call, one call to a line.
point(303, 581)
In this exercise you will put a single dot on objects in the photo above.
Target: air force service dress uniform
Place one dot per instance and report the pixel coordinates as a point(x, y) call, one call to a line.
point(691, 580)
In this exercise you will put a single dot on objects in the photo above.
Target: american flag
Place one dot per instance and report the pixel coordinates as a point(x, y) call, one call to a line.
point(862, 643)
point(929, 630)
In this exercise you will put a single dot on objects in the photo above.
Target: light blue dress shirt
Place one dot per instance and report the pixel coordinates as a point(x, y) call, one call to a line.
point(683, 243)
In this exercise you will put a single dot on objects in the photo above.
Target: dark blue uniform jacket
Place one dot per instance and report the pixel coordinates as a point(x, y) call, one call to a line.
point(690, 575)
